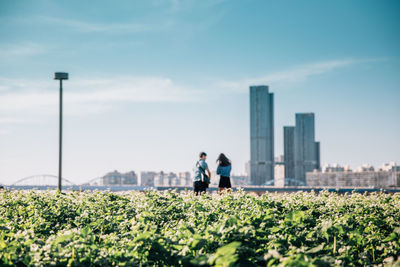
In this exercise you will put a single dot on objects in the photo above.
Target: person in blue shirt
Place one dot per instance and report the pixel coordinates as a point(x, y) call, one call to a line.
point(224, 170)
point(200, 170)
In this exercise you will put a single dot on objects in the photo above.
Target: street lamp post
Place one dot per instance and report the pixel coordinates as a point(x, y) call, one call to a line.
point(60, 76)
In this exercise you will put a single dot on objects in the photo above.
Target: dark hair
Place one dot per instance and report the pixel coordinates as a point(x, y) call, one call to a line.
point(223, 160)
point(202, 154)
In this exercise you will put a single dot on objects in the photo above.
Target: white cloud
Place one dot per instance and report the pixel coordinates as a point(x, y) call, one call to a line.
point(292, 75)
point(88, 96)
point(20, 49)
point(128, 27)
point(22, 98)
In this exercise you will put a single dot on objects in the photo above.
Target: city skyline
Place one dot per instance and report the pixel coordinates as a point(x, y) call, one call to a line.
point(154, 83)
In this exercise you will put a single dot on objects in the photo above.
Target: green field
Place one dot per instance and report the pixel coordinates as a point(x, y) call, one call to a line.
point(174, 229)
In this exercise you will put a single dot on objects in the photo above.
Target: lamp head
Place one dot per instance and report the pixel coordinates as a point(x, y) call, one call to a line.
point(60, 76)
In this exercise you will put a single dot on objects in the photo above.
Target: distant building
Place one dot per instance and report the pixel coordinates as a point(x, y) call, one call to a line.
point(172, 179)
point(347, 168)
point(395, 168)
point(239, 180)
point(261, 135)
point(306, 149)
point(390, 167)
point(365, 168)
point(279, 175)
point(184, 179)
point(288, 151)
point(247, 168)
point(159, 179)
point(334, 168)
point(165, 179)
point(279, 159)
point(147, 178)
point(318, 156)
point(379, 179)
point(117, 178)
point(214, 178)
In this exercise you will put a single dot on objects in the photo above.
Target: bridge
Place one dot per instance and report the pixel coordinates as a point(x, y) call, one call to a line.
point(42, 180)
point(49, 181)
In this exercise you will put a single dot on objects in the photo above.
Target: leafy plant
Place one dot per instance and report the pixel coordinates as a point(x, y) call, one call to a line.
point(180, 229)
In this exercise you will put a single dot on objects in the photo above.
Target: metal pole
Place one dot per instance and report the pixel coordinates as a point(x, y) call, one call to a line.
point(60, 141)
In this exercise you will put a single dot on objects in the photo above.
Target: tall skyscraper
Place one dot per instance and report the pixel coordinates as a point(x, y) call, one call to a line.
point(317, 149)
point(306, 156)
point(288, 152)
point(261, 135)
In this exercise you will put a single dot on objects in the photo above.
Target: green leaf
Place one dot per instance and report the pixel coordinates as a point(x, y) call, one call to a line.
point(316, 249)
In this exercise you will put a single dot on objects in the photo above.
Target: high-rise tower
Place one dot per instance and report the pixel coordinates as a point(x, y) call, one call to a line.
point(288, 153)
point(261, 135)
point(317, 148)
point(306, 149)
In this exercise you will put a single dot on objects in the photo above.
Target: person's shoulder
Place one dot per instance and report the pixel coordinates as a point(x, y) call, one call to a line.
point(227, 167)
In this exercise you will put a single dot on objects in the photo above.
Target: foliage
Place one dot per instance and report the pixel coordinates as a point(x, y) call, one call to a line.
point(173, 229)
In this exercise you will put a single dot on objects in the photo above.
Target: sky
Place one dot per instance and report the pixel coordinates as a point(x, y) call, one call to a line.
point(153, 83)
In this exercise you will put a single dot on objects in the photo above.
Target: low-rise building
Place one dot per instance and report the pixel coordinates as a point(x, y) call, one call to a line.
point(185, 179)
point(172, 179)
point(391, 166)
point(365, 168)
point(147, 178)
point(117, 178)
point(239, 180)
point(376, 179)
point(333, 168)
point(279, 175)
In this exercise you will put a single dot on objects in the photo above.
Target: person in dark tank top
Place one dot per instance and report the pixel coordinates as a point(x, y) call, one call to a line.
point(224, 171)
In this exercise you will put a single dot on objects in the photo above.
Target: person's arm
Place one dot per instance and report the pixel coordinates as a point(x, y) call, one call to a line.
point(208, 170)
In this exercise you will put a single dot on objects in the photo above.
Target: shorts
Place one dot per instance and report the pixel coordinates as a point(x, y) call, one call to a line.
point(199, 187)
point(224, 182)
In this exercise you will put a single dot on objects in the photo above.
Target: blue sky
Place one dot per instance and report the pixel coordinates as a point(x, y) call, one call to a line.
point(152, 83)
